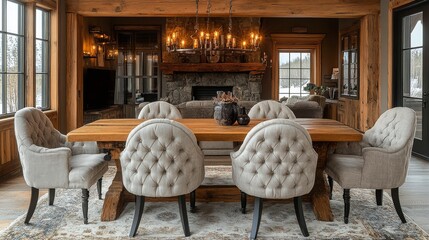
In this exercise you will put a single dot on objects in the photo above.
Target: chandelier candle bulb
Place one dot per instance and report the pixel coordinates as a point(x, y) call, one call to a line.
point(216, 39)
point(234, 43)
point(182, 44)
point(244, 44)
point(195, 43)
point(228, 40)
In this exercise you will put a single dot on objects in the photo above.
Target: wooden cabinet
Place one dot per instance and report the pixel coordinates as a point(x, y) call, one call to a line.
point(349, 66)
point(331, 109)
point(349, 112)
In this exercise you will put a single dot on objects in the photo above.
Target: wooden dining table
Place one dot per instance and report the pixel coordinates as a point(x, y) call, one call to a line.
point(111, 135)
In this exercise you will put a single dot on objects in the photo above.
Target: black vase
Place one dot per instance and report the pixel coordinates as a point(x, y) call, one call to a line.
point(243, 118)
point(226, 113)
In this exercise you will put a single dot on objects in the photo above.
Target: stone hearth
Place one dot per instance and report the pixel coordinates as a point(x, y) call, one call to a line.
point(246, 86)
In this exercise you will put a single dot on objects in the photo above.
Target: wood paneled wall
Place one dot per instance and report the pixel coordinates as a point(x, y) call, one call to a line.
point(369, 71)
point(9, 158)
point(74, 78)
point(241, 8)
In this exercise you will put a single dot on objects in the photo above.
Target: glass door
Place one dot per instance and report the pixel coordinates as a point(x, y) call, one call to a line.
point(412, 77)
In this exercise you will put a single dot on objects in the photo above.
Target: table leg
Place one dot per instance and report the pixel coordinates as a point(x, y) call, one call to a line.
point(114, 201)
point(319, 195)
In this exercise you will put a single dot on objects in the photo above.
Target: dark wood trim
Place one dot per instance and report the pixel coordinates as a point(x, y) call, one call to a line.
point(252, 68)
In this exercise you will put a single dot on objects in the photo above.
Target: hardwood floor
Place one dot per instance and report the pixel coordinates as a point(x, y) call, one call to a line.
point(414, 196)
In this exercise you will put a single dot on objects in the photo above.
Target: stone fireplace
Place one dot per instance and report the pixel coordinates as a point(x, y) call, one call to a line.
point(244, 78)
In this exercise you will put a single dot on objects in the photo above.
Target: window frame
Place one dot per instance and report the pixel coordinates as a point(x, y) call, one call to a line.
point(301, 92)
point(46, 92)
point(21, 52)
point(297, 42)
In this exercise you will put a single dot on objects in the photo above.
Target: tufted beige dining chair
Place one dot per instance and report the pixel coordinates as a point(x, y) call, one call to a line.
point(159, 109)
point(270, 109)
point(275, 161)
point(379, 161)
point(49, 161)
point(161, 159)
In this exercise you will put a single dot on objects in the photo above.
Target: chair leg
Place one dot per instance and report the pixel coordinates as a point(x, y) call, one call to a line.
point(346, 197)
point(138, 212)
point(397, 204)
point(331, 186)
point(85, 196)
point(257, 213)
point(243, 202)
point(99, 184)
point(51, 196)
point(192, 201)
point(297, 202)
point(33, 203)
point(184, 215)
point(379, 196)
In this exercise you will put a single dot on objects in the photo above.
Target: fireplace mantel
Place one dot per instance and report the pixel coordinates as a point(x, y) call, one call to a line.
point(252, 68)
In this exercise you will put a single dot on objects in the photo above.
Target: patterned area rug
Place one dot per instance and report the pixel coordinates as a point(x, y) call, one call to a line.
point(161, 220)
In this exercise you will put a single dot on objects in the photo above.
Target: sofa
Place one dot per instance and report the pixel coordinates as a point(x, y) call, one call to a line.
point(303, 107)
point(311, 106)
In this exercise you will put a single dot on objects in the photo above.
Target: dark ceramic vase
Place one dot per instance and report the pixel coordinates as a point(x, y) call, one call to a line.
point(226, 113)
point(243, 118)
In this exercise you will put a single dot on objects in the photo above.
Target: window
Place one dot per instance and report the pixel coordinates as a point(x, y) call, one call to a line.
point(11, 56)
point(42, 59)
point(294, 72)
point(296, 62)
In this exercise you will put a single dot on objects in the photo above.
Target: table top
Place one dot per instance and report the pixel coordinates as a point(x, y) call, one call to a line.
point(117, 130)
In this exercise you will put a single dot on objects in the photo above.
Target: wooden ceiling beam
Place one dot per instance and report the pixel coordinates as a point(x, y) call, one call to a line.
point(241, 8)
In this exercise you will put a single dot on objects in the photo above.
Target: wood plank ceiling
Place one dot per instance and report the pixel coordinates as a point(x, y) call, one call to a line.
point(241, 8)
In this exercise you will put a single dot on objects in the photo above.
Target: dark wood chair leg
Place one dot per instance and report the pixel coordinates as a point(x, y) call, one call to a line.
point(85, 196)
point(138, 212)
point(192, 201)
point(257, 213)
point(184, 215)
point(397, 204)
point(33, 203)
point(331, 186)
point(99, 185)
point(379, 196)
point(51, 196)
point(297, 202)
point(243, 202)
point(346, 197)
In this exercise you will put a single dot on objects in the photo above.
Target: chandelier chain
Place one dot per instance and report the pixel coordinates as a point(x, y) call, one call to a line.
point(230, 17)
point(209, 9)
point(197, 26)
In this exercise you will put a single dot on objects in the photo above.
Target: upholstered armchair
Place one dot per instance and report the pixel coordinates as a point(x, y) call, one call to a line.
point(161, 159)
point(275, 161)
point(159, 109)
point(49, 161)
point(379, 161)
point(271, 109)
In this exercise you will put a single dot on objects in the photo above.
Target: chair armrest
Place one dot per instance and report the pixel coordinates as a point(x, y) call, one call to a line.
point(45, 167)
point(83, 147)
point(384, 168)
point(348, 148)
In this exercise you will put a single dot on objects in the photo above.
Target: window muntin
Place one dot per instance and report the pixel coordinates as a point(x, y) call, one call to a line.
point(42, 59)
point(12, 56)
point(294, 72)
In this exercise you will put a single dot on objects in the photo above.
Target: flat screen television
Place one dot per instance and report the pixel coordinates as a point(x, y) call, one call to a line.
point(98, 88)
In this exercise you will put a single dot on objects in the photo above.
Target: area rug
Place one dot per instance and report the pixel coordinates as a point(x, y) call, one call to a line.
point(161, 220)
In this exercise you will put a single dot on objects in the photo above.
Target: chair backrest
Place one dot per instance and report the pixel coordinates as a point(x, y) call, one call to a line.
point(160, 109)
point(270, 109)
point(276, 160)
point(32, 126)
point(161, 159)
point(393, 130)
